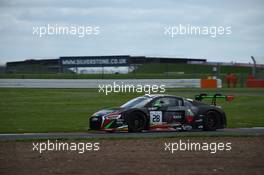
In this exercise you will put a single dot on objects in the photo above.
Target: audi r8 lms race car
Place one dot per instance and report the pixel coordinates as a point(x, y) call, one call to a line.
point(159, 112)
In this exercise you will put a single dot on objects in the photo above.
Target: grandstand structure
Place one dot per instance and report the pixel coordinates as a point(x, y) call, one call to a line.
point(113, 64)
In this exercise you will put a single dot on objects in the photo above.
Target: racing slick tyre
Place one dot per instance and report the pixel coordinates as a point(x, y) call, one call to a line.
point(136, 122)
point(211, 121)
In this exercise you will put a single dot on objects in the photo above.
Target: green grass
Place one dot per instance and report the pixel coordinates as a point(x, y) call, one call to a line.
point(66, 110)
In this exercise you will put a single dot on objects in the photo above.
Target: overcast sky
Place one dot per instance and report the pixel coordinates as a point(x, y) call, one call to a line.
point(132, 27)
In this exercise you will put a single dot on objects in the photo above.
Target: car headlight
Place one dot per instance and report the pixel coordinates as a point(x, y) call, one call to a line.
point(113, 116)
point(95, 119)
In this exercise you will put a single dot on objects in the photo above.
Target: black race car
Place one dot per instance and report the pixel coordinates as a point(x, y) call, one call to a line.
point(161, 112)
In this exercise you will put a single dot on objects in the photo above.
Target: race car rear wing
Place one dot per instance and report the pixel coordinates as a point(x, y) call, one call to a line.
point(214, 97)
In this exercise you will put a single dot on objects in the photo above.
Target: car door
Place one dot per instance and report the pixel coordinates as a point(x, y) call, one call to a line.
point(167, 110)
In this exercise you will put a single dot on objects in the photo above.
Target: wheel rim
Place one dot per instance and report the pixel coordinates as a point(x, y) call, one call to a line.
point(211, 123)
point(136, 123)
point(139, 123)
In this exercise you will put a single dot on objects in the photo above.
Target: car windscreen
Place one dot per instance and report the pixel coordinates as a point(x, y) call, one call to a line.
point(136, 102)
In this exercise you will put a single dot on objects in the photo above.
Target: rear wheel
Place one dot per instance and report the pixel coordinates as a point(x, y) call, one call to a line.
point(211, 121)
point(136, 122)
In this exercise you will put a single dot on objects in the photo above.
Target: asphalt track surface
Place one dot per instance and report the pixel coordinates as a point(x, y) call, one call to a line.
point(258, 131)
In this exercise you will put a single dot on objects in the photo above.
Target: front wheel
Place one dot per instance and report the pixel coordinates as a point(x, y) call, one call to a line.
point(136, 122)
point(211, 121)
